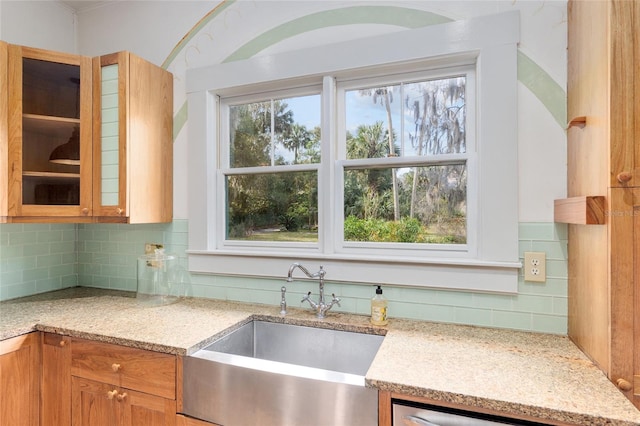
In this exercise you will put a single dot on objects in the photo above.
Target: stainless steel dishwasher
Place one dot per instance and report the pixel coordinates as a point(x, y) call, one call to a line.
point(410, 414)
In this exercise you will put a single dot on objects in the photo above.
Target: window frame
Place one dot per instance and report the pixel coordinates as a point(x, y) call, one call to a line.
point(402, 250)
point(224, 168)
point(493, 263)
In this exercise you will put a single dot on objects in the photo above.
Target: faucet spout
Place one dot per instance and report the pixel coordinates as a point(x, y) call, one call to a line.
point(302, 268)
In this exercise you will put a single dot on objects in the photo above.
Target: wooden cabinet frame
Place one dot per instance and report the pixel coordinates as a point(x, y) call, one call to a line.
point(144, 138)
point(604, 159)
point(15, 206)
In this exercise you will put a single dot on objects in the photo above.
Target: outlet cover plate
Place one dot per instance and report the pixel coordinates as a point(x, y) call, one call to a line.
point(535, 266)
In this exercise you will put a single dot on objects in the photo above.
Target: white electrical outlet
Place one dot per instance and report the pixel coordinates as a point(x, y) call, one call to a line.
point(535, 266)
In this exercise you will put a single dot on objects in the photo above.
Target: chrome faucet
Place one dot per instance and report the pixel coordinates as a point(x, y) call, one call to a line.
point(320, 308)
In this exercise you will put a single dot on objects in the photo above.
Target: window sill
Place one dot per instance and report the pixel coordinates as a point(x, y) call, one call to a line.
point(450, 274)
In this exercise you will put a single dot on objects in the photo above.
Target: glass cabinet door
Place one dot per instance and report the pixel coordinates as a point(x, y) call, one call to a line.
point(110, 135)
point(50, 145)
point(132, 140)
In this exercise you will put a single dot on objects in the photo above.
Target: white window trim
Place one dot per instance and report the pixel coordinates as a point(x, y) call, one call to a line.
point(490, 40)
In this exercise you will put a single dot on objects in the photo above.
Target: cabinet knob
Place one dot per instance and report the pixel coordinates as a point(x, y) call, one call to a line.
point(112, 394)
point(85, 211)
point(623, 385)
point(624, 177)
point(62, 343)
point(115, 367)
point(121, 396)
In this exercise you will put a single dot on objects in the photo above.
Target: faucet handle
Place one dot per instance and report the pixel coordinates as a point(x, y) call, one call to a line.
point(306, 297)
point(283, 301)
point(335, 300)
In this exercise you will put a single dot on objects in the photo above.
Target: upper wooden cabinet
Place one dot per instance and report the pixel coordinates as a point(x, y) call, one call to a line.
point(603, 144)
point(84, 140)
point(49, 134)
point(601, 91)
point(133, 139)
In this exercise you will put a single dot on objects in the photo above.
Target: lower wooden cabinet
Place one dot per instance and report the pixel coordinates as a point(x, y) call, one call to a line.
point(95, 404)
point(20, 380)
point(137, 369)
point(88, 383)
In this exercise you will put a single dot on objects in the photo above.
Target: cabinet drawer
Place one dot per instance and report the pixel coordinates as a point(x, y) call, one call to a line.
point(137, 369)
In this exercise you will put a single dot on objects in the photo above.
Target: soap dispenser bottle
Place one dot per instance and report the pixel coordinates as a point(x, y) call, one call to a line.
point(379, 308)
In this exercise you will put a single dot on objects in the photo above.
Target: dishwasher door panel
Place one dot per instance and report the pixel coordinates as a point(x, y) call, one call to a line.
point(407, 415)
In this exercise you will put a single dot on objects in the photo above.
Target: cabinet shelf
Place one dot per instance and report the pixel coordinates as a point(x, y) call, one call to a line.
point(49, 125)
point(53, 175)
point(49, 119)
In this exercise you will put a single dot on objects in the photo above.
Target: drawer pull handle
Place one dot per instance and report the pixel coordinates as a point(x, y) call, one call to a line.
point(121, 396)
point(62, 343)
point(112, 394)
point(115, 367)
point(624, 385)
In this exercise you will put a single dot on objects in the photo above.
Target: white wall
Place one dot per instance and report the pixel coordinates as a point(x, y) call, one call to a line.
point(44, 24)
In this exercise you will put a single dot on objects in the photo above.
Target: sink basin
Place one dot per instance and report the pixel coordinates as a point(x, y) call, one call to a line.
point(281, 374)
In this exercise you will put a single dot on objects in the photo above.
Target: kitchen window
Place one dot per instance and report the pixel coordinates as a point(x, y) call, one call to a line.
point(398, 166)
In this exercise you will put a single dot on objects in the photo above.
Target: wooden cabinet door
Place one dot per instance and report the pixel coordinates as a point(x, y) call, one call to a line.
point(623, 98)
point(102, 404)
point(56, 380)
point(95, 404)
point(4, 132)
point(49, 113)
point(20, 380)
point(624, 203)
point(143, 409)
point(133, 140)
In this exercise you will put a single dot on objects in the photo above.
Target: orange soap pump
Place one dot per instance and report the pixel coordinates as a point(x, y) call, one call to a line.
point(379, 308)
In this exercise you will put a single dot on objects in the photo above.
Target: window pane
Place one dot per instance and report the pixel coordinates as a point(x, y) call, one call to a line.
point(435, 117)
point(371, 116)
point(297, 141)
point(273, 207)
point(428, 205)
point(275, 132)
point(423, 118)
point(250, 135)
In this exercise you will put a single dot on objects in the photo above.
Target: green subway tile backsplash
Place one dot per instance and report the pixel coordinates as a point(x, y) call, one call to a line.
point(106, 256)
point(35, 258)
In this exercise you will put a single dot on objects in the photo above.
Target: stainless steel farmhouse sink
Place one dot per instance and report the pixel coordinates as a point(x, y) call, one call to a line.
point(266, 373)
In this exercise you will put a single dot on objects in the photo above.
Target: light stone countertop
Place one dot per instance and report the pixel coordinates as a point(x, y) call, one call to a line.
point(518, 373)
